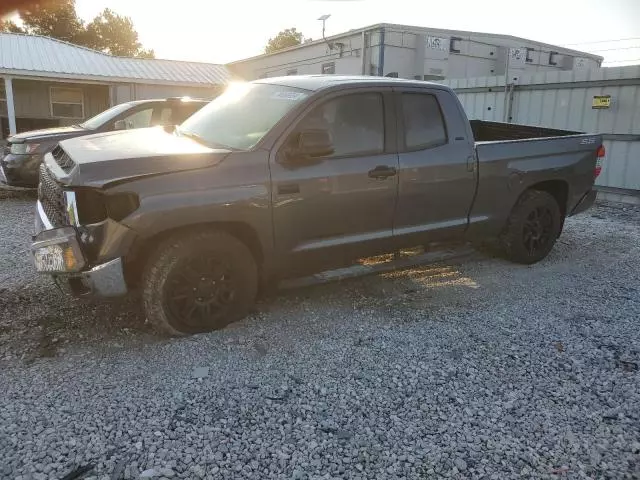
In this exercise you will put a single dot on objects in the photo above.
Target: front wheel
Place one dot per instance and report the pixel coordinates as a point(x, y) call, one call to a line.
point(198, 282)
point(532, 228)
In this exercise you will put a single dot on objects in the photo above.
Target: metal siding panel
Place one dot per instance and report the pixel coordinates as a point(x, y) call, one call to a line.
point(535, 113)
point(561, 115)
point(632, 171)
point(548, 107)
point(626, 109)
point(575, 118)
point(478, 106)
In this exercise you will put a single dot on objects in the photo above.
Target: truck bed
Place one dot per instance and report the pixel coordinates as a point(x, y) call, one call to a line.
point(484, 131)
point(510, 158)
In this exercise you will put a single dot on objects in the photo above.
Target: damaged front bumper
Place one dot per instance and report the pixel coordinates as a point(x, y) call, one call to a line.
point(58, 252)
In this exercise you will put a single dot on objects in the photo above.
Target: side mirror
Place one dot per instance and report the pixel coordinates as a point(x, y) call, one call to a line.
point(310, 144)
point(120, 125)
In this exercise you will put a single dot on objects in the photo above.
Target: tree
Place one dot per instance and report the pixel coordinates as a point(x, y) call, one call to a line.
point(115, 34)
point(108, 32)
point(289, 37)
point(56, 19)
point(7, 26)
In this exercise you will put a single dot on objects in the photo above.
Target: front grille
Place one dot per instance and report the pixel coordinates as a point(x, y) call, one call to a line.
point(63, 159)
point(51, 197)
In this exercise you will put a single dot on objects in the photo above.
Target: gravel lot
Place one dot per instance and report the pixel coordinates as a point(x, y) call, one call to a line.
point(481, 369)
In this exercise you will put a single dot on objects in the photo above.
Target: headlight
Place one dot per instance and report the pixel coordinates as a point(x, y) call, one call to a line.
point(57, 251)
point(23, 148)
point(84, 206)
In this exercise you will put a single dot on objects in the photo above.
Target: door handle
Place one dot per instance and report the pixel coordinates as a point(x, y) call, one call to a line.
point(382, 171)
point(471, 163)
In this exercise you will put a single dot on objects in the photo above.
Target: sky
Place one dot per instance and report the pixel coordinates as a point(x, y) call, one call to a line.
point(223, 31)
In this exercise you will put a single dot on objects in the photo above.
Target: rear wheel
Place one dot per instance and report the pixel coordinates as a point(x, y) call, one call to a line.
point(532, 228)
point(199, 282)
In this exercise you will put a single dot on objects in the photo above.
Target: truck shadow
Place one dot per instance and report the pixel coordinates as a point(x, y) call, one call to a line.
point(38, 322)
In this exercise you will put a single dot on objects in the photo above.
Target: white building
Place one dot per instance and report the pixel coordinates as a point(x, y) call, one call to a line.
point(46, 82)
point(416, 53)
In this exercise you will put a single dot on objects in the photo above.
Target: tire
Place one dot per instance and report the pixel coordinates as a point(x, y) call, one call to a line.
point(199, 282)
point(532, 227)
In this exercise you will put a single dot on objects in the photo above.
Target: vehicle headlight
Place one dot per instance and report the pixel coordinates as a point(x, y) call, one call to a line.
point(84, 206)
point(23, 148)
point(57, 251)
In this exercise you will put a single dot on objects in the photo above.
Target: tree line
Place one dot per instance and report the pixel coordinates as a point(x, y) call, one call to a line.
point(108, 32)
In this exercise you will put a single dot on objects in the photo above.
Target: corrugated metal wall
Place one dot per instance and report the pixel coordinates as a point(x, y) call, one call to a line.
point(563, 100)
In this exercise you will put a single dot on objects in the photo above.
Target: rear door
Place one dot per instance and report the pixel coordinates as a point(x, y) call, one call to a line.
point(341, 206)
point(437, 168)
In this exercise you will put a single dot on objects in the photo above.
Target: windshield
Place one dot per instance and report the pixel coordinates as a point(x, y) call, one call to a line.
point(105, 117)
point(242, 115)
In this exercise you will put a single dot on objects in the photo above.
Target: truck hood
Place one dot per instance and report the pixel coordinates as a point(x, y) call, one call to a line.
point(118, 156)
point(57, 133)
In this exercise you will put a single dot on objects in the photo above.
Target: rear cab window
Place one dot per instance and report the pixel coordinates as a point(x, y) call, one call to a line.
point(423, 122)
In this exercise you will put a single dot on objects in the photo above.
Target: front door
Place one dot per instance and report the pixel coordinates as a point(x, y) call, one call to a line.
point(341, 206)
point(437, 178)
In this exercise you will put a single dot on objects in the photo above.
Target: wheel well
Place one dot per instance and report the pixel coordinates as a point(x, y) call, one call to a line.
point(140, 251)
point(559, 189)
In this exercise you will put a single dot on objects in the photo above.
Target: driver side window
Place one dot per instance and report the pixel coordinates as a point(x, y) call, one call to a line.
point(139, 119)
point(355, 124)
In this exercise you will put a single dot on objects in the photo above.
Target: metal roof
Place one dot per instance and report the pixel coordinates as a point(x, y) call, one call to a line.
point(33, 55)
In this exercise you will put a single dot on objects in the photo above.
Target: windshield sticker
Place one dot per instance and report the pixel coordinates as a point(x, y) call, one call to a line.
point(288, 95)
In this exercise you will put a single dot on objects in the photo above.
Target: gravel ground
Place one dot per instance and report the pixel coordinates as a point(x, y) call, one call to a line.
point(482, 369)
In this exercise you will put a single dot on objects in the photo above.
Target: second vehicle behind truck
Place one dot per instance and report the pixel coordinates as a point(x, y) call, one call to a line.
point(283, 176)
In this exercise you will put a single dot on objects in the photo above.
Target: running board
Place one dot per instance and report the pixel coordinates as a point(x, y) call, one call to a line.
point(359, 270)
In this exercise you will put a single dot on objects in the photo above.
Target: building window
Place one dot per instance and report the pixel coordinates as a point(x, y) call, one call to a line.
point(66, 102)
point(553, 58)
point(328, 68)
point(454, 44)
point(293, 71)
point(423, 123)
point(3, 93)
point(529, 55)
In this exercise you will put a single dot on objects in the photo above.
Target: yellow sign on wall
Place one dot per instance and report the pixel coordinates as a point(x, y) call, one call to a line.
point(601, 101)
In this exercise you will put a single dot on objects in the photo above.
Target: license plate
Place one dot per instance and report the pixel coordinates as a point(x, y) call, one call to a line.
point(49, 259)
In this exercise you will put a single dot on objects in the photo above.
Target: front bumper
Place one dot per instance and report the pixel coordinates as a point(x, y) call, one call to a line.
point(585, 202)
point(20, 170)
point(102, 280)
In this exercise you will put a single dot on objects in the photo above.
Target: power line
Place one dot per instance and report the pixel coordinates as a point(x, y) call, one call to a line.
point(614, 49)
point(624, 61)
point(604, 41)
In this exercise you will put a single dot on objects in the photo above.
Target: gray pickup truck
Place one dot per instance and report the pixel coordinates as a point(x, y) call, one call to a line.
point(285, 176)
